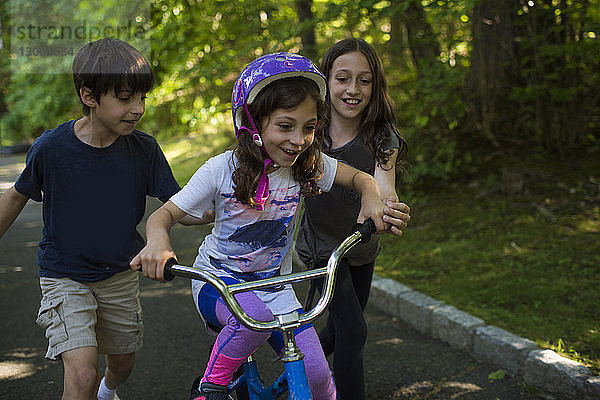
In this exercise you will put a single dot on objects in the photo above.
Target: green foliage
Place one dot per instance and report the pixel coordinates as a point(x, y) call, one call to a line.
point(44, 37)
point(557, 91)
point(199, 48)
point(431, 97)
point(433, 123)
point(497, 375)
point(540, 88)
point(38, 102)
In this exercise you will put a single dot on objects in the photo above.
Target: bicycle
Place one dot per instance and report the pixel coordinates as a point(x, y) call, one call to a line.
point(293, 380)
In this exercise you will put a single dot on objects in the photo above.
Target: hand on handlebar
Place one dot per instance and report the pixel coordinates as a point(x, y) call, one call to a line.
point(366, 229)
point(373, 208)
point(151, 262)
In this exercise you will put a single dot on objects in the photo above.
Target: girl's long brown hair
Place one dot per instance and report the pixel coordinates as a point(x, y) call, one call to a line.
point(284, 94)
point(378, 120)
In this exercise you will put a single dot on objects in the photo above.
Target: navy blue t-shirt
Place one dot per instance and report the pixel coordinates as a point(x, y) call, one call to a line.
point(93, 199)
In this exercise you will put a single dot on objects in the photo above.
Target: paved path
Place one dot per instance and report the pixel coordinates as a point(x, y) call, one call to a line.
point(400, 362)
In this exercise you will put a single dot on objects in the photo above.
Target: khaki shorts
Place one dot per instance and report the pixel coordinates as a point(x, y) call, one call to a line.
point(105, 314)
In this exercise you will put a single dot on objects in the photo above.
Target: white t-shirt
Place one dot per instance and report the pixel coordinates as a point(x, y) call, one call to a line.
point(245, 243)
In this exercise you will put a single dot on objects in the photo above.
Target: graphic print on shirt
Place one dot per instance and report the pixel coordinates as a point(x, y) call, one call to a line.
point(261, 234)
point(259, 240)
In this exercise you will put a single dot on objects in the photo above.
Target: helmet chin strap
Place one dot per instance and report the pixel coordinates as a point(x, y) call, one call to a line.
point(262, 190)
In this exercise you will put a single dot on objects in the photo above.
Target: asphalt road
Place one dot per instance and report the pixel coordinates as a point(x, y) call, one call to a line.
point(400, 362)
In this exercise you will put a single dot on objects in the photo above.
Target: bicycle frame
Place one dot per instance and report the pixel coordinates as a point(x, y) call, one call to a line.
point(294, 378)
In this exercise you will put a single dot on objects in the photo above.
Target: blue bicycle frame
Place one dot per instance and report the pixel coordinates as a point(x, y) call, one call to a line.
point(294, 378)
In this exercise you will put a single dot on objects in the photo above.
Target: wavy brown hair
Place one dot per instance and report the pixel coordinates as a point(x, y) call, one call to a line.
point(284, 94)
point(378, 120)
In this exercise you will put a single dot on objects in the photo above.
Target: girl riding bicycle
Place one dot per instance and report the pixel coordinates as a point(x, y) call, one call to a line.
point(255, 190)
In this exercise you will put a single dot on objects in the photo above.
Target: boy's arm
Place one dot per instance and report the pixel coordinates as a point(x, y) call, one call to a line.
point(371, 205)
point(11, 205)
point(151, 260)
point(397, 214)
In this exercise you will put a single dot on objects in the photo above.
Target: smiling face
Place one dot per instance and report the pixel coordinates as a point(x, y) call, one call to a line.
point(118, 114)
point(286, 133)
point(350, 85)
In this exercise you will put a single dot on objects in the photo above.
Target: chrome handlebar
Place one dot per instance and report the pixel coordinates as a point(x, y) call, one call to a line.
point(362, 232)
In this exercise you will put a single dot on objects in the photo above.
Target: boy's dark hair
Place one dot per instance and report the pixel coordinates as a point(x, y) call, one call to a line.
point(107, 64)
point(284, 94)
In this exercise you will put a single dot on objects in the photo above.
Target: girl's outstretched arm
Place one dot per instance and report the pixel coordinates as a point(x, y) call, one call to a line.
point(151, 260)
point(371, 205)
point(397, 214)
point(207, 218)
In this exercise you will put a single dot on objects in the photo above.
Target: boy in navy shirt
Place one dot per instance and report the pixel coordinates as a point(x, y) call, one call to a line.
point(92, 176)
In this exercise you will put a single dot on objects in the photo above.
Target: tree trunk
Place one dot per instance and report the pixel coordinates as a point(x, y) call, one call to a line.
point(307, 28)
point(424, 47)
point(397, 44)
point(492, 60)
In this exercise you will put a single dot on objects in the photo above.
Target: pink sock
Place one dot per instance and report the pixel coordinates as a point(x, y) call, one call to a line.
point(220, 368)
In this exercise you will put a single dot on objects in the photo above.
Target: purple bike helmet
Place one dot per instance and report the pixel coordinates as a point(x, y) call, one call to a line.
point(254, 77)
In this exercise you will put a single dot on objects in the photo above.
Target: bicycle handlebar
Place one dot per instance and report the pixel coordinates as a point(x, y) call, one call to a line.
point(362, 232)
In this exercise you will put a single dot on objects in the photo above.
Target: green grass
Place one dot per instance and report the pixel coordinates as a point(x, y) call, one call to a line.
point(186, 155)
point(529, 263)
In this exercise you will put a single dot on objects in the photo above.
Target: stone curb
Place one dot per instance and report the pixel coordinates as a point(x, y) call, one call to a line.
point(557, 376)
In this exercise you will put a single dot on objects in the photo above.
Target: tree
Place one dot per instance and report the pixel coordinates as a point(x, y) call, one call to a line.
point(307, 28)
point(424, 47)
point(512, 74)
point(558, 89)
point(492, 64)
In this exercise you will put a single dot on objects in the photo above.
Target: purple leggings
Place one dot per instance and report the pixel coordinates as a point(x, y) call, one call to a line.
point(235, 342)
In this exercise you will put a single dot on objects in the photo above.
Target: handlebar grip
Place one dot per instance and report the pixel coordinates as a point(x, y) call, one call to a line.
point(366, 229)
point(167, 274)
